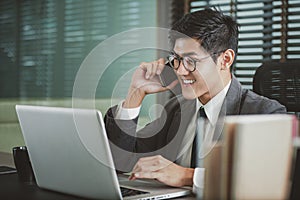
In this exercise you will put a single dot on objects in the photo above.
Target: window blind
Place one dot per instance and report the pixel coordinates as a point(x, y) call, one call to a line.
point(86, 25)
point(269, 30)
point(38, 38)
point(8, 49)
point(45, 42)
point(130, 14)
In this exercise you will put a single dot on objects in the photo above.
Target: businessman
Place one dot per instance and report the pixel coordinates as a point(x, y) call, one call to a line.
point(201, 57)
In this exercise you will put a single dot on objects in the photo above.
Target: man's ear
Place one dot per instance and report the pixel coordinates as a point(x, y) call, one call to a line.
point(227, 59)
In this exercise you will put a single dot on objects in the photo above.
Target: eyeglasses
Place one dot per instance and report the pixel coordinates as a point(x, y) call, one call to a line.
point(188, 62)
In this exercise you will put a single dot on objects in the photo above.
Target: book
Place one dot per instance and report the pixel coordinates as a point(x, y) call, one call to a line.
point(261, 156)
point(211, 165)
point(253, 159)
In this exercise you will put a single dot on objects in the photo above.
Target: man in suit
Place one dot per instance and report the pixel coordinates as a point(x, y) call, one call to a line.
point(201, 57)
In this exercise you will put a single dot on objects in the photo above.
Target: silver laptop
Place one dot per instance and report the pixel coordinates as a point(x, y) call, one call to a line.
point(70, 153)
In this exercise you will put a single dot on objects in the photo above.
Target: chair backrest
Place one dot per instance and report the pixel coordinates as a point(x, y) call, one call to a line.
point(280, 81)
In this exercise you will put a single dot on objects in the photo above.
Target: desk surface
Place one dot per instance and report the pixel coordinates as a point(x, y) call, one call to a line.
point(12, 188)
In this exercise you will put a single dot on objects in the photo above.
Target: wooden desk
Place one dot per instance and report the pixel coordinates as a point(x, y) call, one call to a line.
point(12, 188)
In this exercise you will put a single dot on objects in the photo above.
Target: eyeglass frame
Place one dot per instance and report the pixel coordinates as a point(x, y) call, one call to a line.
point(180, 59)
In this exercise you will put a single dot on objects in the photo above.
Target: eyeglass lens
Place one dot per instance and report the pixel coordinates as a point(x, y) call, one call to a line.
point(187, 62)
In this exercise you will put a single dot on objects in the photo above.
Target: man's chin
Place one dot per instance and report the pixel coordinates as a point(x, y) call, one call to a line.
point(189, 96)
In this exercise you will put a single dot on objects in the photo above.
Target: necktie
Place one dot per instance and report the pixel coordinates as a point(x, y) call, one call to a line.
point(195, 149)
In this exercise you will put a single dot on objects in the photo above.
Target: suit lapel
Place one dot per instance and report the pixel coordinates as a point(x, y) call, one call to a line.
point(232, 102)
point(231, 106)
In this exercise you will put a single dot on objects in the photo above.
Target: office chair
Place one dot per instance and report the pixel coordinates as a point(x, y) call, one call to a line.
point(280, 81)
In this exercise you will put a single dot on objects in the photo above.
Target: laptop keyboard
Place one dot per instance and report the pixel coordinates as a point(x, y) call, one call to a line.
point(131, 192)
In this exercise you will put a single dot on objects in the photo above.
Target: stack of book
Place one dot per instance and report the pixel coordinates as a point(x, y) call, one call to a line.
point(253, 160)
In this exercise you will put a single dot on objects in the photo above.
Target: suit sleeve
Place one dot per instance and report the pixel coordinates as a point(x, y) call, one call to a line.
point(256, 104)
point(152, 137)
point(120, 132)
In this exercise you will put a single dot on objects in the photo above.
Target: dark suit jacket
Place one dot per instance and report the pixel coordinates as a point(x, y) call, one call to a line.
point(163, 136)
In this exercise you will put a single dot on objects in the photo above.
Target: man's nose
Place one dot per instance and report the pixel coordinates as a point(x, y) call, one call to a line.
point(182, 70)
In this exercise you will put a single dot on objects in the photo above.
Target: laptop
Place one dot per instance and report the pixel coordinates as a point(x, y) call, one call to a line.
point(70, 153)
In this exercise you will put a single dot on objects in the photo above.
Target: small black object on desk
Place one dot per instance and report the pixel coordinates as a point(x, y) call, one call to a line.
point(23, 165)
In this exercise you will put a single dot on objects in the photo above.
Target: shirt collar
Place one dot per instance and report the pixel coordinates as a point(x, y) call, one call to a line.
point(213, 107)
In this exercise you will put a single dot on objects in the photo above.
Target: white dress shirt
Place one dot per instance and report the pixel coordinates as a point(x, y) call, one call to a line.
point(212, 110)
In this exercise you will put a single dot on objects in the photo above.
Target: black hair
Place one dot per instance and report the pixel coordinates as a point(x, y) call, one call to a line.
point(215, 31)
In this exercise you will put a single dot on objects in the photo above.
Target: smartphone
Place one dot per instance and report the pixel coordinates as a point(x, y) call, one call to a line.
point(167, 76)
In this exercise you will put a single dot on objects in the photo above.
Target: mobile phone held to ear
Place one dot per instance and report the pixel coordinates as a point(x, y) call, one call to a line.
point(167, 76)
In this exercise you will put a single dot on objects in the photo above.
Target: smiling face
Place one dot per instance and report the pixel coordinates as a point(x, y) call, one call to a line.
point(208, 79)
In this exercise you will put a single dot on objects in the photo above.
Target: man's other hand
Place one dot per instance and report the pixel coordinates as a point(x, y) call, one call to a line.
point(163, 170)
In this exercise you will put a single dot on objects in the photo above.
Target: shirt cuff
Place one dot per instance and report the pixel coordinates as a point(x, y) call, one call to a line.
point(126, 113)
point(198, 181)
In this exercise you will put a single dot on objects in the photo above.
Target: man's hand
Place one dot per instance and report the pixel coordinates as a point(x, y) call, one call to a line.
point(163, 170)
point(145, 81)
